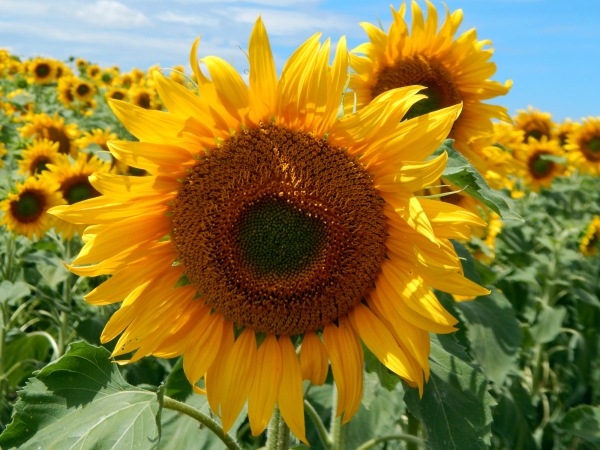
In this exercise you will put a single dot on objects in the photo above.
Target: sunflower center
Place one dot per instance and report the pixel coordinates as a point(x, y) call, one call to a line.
point(440, 89)
point(78, 189)
point(144, 100)
point(117, 95)
point(83, 89)
point(56, 135)
point(42, 70)
point(594, 145)
point(539, 167)
point(29, 207)
point(536, 134)
point(278, 230)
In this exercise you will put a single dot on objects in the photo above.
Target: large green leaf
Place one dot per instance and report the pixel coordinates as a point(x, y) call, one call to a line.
point(9, 292)
point(81, 401)
point(584, 422)
point(493, 332)
point(24, 354)
point(548, 324)
point(461, 173)
point(455, 407)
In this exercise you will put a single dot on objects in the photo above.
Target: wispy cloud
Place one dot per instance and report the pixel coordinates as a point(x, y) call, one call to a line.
point(190, 20)
point(111, 14)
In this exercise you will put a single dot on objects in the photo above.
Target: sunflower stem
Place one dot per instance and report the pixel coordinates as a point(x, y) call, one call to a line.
point(413, 430)
point(206, 421)
point(323, 434)
point(335, 433)
point(64, 316)
point(410, 440)
point(278, 435)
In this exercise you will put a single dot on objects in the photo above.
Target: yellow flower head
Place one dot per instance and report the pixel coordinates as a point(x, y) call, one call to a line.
point(589, 243)
point(64, 93)
point(81, 64)
point(283, 219)
point(37, 156)
point(583, 146)
point(97, 136)
point(83, 91)
point(43, 71)
point(94, 72)
point(116, 94)
point(26, 211)
point(3, 152)
point(54, 129)
point(451, 70)
point(534, 123)
point(177, 74)
point(144, 98)
point(73, 183)
point(540, 162)
point(564, 129)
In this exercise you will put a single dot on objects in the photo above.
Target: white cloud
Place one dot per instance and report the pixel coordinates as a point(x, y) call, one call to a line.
point(189, 20)
point(109, 13)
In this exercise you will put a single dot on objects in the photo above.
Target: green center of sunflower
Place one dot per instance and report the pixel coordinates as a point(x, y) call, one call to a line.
point(594, 145)
point(29, 207)
point(78, 189)
point(42, 70)
point(278, 230)
point(106, 77)
point(83, 89)
point(536, 134)
point(278, 240)
point(39, 164)
point(540, 167)
point(440, 89)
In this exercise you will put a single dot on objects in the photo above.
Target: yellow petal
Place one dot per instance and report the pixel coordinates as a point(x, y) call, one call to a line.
point(265, 388)
point(413, 176)
point(213, 380)
point(313, 359)
point(123, 187)
point(153, 158)
point(263, 78)
point(291, 400)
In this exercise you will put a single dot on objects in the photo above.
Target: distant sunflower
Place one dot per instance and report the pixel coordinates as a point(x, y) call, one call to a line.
point(451, 70)
point(3, 152)
point(125, 80)
point(288, 220)
point(535, 124)
point(116, 94)
point(81, 64)
point(564, 129)
point(42, 70)
point(37, 155)
point(25, 104)
point(143, 97)
point(82, 90)
point(26, 211)
point(540, 162)
point(54, 129)
point(94, 72)
point(74, 185)
point(488, 236)
point(589, 243)
point(583, 146)
point(64, 91)
point(97, 136)
point(62, 70)
point(177, 74)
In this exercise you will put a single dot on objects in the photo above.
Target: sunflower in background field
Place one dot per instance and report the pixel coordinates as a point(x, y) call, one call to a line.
point(3, 152)
point(21, 109)
point(115, 93)
point(452, 70)
point(286, 218)
point(10, 65)
point(177, 74)
point(26, 211)
point(534, 123)
point(42, 70)
point(71, 177)
point(94, 72)
point(62, 70)
point(144, 98)
point(492, 160)
point(64, 91)
point(540, 162)
point(488, 236)
point(564, 129)
point(82, 90)
point(125, 80)
point(54, 129)
point(81, 64)
point(589, 242)
point(37, 155)
point(583, 146)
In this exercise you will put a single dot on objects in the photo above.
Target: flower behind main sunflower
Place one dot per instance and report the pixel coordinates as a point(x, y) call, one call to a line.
point(583, 146)
point(275, 217)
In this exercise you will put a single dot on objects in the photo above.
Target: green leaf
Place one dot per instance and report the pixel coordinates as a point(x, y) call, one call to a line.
point(24, 354)
point(81, 401)
point(548, 324)
point(515, 418)
point(388, 379)
point(461, 173)
point(493, 332)
point(554, 158)
point(455, 408)
point(10, 292)
point(584, 422)
point(467, 261)
point(177, 385)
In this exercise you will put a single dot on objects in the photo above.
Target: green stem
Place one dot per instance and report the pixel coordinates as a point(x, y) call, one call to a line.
point(284, 435)
point(335, 432)
point(2, 344)
point(64, 316)
point(278, 435)
point(206, 421)
point(323, 434)
point(414, 425)
point(411, 440)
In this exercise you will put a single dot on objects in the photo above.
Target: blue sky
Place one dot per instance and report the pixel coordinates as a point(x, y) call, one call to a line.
point(549, 48)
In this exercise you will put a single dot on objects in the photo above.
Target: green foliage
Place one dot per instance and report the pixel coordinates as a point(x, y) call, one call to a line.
point(583, 422)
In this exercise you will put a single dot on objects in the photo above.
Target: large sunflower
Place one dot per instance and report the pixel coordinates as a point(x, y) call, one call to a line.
point(540, 162)
point(583, 146)
point(274, 219)
point(26, 211)
point(54, 129)
point(73, 183)
point(451, 70)
point(37, 155)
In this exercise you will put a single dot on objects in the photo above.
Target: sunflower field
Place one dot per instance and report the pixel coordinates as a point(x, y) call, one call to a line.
point(361, 249)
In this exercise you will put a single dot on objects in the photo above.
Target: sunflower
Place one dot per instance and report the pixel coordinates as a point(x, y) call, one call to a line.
point(37, 156)
point(451, 70)
point(74, 185)
point(534, 123)
point(54, 129)
point(97, 136)
point(83, 91)
point(285, 218)
point(94, 71)
point(488, 236)
point(540, 161)
point(26, 211)
point(564, 129)
point(583, 146)
point(143, 97)
point(64, 91)
point(62, 70)
point(589, 243)
point(177, 74)
point(42, 70)
point(81, 64)
point(3, 152)
point(116, 94)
